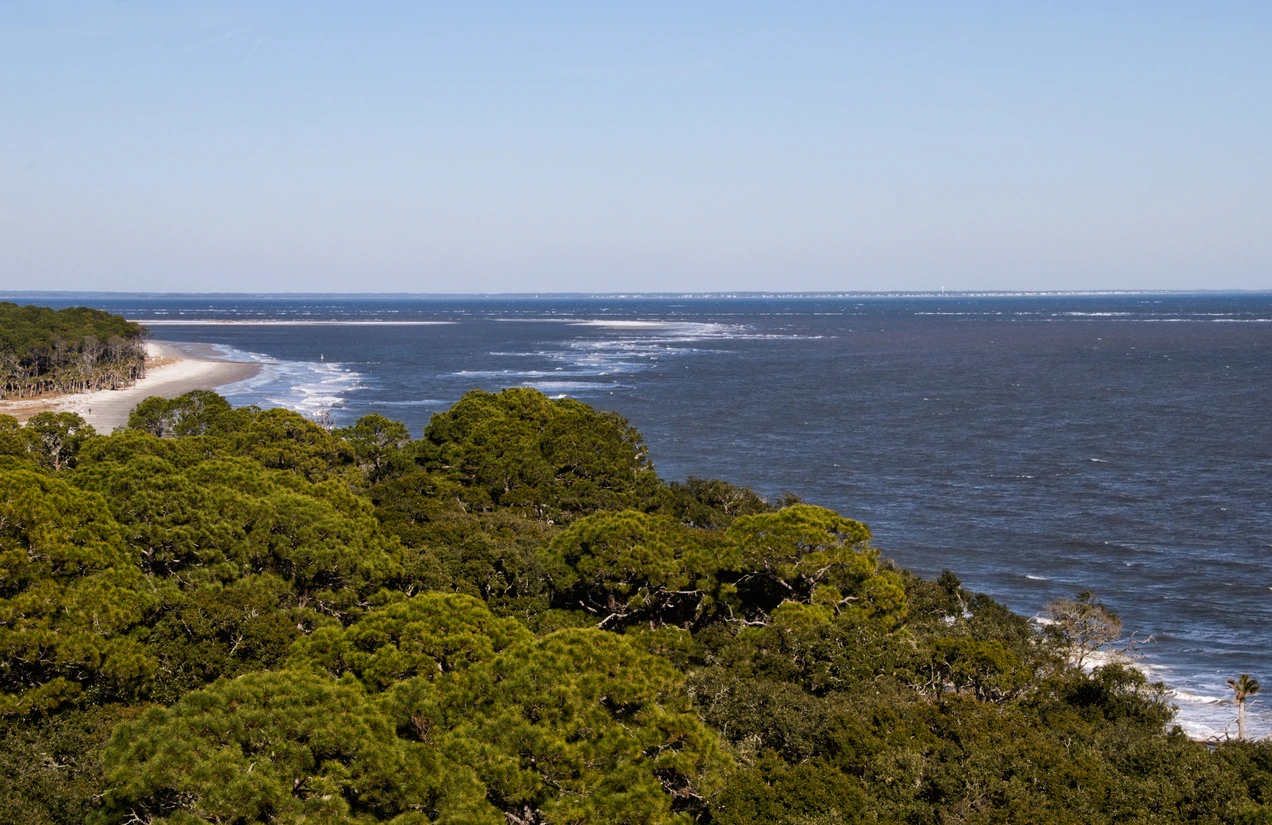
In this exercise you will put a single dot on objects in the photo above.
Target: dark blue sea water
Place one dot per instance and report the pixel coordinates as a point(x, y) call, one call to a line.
point(1036, 445)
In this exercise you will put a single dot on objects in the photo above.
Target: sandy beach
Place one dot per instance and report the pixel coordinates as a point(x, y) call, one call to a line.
point(172, 370)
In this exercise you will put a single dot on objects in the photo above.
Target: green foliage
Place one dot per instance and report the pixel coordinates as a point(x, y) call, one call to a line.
point(67, 350)
point(813, 556)
point(12, 440)
point(479, 722)
point(799, 566)
point(221, 519)
point(241, 560)
point(987, 669)
point(425, 636)
point(1254, 815)
point(1008, 734)
point(55, 439)
point(556, 460)
point(453, 544)
point(126, 445)
point(267, 747)
point(1115, 693)
point(1251, 764)
point(711, 504)
point(848, 653)
point(377, 446)
point(579, 726)
point(199, 412)
point(412, 502)
point(70, 594)
point(342, 627)
point(285, 440)
point(49, 766)
point(629, 567)
point(775, 791)
point(203, 633)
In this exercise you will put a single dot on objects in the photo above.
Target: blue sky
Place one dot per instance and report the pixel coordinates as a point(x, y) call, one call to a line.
point(496, 147)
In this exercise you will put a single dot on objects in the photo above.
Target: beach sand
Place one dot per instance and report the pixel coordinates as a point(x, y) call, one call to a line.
point(172, 370)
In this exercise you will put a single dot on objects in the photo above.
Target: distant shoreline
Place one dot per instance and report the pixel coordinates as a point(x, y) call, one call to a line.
point(171, 370)
point(933, 292)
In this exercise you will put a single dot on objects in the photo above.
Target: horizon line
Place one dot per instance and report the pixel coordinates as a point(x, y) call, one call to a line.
point(621, 295)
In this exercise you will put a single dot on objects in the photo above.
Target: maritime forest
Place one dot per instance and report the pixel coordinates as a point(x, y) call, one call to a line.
point(67, 351)
point(237, 615)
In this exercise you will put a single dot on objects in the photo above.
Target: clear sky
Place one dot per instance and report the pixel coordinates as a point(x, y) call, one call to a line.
point(639, 146)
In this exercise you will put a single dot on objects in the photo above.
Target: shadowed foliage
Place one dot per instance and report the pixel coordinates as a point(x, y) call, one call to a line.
point(237, 616)
point(67, 350)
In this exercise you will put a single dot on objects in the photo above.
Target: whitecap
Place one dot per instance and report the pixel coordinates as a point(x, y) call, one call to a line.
point(619, 324)
point(569, 386)
point(515, 374)
point(279, 322)
point(307, 387)
point(1196, 698)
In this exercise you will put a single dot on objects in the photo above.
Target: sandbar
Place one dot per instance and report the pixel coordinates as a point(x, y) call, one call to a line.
point(172, 369)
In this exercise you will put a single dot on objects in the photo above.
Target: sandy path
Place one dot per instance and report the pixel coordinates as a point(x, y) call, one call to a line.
point(180, 369)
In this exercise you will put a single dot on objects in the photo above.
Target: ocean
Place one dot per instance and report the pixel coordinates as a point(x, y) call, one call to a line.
point(1036, 445)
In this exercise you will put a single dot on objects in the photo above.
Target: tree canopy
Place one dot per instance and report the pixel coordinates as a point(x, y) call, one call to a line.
point(556, 459)
point(67, 350)
point(227, 615)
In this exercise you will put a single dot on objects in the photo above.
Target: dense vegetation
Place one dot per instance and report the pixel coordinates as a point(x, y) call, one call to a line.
point(236, 616)
point(67, 350)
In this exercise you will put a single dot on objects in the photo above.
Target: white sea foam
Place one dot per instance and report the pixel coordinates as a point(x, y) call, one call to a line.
point(1037, 578)
point(1205, 320)
point(633, 346)
point(686, 331)
point(307, 387)
point(569, 386)
point(617, 324)
point(279, 322)
point(1205, 713)
point(1196, 698)
point(1204, 709)
point(556, 373)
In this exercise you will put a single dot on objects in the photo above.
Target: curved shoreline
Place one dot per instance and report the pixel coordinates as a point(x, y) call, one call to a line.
point(177, 369)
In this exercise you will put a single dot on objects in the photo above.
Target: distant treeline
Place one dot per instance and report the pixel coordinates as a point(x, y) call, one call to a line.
point(226, 615)
point(67, 350)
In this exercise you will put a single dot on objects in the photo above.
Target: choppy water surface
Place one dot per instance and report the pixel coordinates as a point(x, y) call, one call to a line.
point(1037, 446)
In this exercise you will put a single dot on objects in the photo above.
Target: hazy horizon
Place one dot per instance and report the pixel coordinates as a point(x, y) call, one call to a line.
point(680, 295)
point(668, 149)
